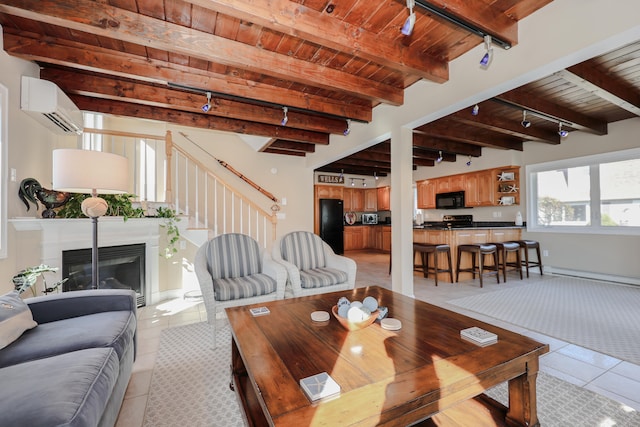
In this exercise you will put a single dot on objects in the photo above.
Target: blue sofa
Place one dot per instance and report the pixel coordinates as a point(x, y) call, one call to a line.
point(73, 368)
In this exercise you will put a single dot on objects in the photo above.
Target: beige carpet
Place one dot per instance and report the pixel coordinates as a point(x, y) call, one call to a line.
point(190, 387)
point(597, 315)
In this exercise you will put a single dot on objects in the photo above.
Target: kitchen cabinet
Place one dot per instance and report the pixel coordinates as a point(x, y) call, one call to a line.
point(329, 192)
point(354, 237)
point(371, 200)
point(386, 238)
point(353, 199)
point(384, 198)
point(479, 189)
point(426, 194)
point(506, 185)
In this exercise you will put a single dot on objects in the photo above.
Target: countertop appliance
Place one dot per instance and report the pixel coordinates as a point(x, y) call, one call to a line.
point(369, 218)
point(331, 224)
point(453, 200)
point(457, 221)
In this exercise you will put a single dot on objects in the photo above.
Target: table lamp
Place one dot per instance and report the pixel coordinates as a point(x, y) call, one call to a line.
point(94, 172)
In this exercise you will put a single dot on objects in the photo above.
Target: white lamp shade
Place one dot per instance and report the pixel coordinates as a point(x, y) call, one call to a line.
point(87, 171)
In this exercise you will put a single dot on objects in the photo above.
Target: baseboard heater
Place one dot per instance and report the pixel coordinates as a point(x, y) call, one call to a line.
point(620, 280)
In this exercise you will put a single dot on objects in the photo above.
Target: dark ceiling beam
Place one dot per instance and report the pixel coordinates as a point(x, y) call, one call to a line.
point(302, 22)
point(431, 143)
point(103, 87)
point(604, 85)
point(101, 19)
point(284, 152)
point(354, 171)
point(446, 129)
point(120, 108)
point(290, 146)
point(523, 100)
point(498, 124)
point(101, 60)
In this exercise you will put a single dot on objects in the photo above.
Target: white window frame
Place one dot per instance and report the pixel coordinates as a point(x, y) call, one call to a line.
point(593, 161)
point(4, 177)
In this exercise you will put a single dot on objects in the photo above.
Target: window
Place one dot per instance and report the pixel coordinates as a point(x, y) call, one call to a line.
point(594, 194)
point(4, 108)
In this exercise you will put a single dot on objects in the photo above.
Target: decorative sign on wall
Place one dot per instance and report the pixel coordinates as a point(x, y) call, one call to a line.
point(331, 179)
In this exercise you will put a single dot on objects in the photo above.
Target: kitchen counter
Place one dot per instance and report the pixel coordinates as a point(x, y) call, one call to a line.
point(475, 225)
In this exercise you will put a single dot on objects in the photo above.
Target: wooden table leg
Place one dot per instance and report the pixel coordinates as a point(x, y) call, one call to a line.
point(522, 398)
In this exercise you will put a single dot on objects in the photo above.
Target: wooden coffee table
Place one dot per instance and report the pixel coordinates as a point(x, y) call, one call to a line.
point(424, 373)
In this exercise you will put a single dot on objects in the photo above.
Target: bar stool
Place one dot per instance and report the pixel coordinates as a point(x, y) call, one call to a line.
point(479, 251)
point(424, 249)
point(504, 248)
point(526, 245)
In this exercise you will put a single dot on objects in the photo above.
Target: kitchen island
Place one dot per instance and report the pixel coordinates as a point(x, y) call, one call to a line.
point(463, 236)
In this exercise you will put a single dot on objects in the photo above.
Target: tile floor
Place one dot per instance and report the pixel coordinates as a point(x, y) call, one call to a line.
point(608, 376)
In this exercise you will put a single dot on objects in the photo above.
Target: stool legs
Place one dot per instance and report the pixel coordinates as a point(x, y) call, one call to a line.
point(478, 252)
point(526, 245)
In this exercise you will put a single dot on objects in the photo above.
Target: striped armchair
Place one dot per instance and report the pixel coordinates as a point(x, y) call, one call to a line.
point(232, 270)
point(312, 266)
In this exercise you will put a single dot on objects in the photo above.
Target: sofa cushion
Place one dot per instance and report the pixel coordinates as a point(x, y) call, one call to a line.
point(109, 329)
point(303, 249)
point(320, 277)
point(15, 318)
point(243, 287)
point(233, 255)
point(67, 390)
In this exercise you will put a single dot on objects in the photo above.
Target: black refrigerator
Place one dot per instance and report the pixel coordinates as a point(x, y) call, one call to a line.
point(331, 225)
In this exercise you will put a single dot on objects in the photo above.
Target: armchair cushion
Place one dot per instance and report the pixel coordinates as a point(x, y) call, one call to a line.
point(320, 277)
point(233, 255)
point(243, 287)
point(303, 249)
point(15, 318)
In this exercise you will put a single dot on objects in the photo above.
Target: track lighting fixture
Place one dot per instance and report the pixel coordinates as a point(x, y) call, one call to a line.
point(525, 123)
point(375, 176)
point(469, 161)
point(485, 62)
point(475, 110)
point(439, 159)
point(563, 133)
point(285, 118)
point(341, 174)
point(347, 131)
point(206, 107)
point(407, 27)
point(353, 184)
point(364, 183)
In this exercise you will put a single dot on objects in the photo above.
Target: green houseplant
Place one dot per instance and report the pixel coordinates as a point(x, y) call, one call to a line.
point(27, 278)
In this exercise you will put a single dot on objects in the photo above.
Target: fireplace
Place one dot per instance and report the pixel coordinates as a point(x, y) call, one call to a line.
point(119, 267)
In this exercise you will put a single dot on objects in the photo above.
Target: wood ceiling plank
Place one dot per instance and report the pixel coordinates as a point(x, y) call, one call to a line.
point(101, 19)
point(102, 87)
point(324, 29)
point(568, 116)
point(120, 64)
point(445, 130)
point(421, 140)
point(195, 120)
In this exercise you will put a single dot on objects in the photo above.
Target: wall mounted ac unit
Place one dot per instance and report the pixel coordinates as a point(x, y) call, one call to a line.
point(49, 105)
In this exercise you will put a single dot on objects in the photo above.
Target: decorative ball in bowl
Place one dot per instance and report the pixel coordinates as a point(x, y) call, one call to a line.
point(356, 320)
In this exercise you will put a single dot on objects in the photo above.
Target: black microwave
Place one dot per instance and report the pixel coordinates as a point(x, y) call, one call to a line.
point(453, 200)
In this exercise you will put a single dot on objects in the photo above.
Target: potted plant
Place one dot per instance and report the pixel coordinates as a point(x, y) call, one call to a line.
point(173, 233)
point(27, 278)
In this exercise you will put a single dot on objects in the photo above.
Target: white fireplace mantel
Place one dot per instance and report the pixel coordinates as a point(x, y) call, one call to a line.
point(62, 234)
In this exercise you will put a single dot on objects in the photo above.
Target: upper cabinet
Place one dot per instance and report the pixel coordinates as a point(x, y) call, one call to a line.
point(353, 199)
point(371, 200)
point(329, 192)
point(490, 187)
point(426, 194)
point(384, 198)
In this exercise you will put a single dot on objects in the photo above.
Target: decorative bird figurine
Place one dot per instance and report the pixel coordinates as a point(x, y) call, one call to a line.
point(32, 191)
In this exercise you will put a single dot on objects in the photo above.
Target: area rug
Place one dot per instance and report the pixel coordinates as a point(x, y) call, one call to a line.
point(190, 387)
point(600, 316)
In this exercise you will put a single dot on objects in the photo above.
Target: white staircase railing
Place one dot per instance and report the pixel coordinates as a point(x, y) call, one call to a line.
point(165, 173)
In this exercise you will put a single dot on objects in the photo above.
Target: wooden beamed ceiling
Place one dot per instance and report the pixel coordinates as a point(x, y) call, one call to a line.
point(329, 63)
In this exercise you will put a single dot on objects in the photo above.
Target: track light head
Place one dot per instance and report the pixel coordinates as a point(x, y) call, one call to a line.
point(375, 176)
point(486, 60)
point(563, 133)
point(206, 107)
point(469, 161)
point(347, 131)
point(525, 123)
point(353, 183)
point(285, 118)
point(407, 27)
point(475, 110)
point(439, 159)
point(341, 173)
